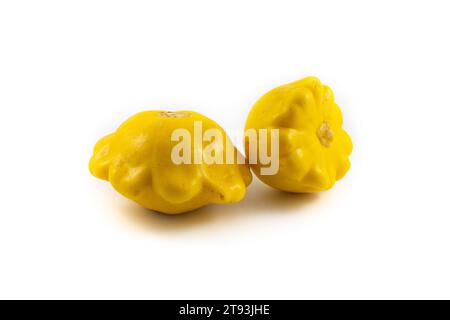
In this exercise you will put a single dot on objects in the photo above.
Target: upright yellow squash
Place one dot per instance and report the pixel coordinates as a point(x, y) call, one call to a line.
point(313, 147)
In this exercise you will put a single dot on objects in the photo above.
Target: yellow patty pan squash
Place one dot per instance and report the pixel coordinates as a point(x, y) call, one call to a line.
point(137, 160)
point(313, 147)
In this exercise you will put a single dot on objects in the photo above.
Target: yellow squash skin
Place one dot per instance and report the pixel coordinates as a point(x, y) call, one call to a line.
point(313, 148)
point(136, 159)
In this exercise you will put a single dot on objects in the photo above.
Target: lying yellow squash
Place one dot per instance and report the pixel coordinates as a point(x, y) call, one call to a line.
point(138, 161)
point(313, 147)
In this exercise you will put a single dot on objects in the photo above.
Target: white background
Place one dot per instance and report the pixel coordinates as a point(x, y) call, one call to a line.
point(72, 71)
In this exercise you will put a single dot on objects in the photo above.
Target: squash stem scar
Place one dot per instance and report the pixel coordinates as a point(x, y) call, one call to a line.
point(325, 134)
point(172, 114)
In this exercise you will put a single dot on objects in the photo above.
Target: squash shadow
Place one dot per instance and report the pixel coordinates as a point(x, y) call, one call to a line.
point(260, 199)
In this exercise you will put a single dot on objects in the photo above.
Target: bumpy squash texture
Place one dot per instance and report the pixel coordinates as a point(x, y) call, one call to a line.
point(313, 148)
point(136, 160)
